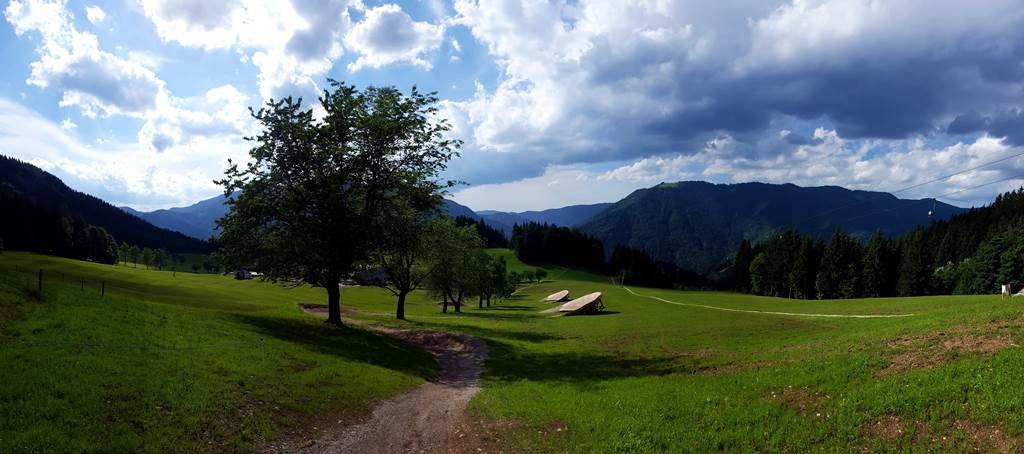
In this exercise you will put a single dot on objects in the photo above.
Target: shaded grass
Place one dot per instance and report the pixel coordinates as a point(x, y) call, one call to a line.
point(193, 362)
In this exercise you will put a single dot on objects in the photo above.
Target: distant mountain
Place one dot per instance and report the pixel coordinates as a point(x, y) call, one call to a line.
point(454, 210)
point(570, 216)
point(45, 191)
point(197, 220)
point(698, 225)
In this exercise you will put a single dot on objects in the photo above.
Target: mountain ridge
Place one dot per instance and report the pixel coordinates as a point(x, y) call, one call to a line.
point(44, 189)
point(697, 225)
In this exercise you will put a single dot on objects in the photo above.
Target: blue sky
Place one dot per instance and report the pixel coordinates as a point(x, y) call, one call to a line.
point(141, 102)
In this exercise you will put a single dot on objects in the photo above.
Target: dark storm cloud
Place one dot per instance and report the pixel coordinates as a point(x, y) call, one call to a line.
point(618, 83)
point(1008, 124)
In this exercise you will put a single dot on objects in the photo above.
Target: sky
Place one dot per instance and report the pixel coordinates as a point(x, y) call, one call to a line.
point(142, 102)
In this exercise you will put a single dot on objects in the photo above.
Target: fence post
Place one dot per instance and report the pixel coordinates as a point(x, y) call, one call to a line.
point(103, 288)
point(83, 284)
point(40, 280)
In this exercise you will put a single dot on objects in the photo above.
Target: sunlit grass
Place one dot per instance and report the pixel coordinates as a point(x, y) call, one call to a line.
point(643, 376)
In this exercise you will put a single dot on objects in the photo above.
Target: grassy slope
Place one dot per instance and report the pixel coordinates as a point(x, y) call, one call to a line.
point(175, 364)
point(645, 376)
point(649, 376)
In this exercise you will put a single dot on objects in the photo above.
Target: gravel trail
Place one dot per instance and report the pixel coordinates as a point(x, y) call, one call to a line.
point(429, 419)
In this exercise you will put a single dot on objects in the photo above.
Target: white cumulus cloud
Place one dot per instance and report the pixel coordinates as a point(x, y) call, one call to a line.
point(95, 14)
point(387, 35)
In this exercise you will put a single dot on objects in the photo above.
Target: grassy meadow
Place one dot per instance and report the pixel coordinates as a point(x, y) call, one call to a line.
point(184, 363)
point(162, 359)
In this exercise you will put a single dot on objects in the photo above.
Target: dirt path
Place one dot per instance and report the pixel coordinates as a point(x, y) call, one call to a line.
point(429, 419)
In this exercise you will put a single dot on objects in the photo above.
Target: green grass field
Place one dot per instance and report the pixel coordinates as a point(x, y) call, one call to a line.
point(166, 363)
point(164, 358)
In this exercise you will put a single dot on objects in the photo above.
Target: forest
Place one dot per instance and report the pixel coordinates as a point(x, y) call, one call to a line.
point(971, 253)
point(555, 245)
point(37, 228)
point(47, 211)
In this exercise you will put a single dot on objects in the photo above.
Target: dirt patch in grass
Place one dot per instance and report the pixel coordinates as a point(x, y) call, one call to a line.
point(804, 401)
point(320, 309)
point(960, 435)
point(8, 314)
point(932, 350)
point(888, 428)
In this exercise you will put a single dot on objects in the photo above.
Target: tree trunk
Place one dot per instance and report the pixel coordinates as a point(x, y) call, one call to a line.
point(488, 300)
point(481, 301)
point(458, 303)
point(333, 303)
point(400, 310)
point(444, 307)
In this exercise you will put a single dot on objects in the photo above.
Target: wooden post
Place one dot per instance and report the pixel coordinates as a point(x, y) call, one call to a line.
point(40, 280)
point(103, 288)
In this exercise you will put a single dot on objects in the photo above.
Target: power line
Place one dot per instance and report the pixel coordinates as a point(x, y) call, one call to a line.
point(1015, 177)
point(960, 172)
point(934, 180)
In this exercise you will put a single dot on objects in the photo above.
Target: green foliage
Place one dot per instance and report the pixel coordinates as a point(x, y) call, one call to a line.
point(741, 267)
point(455, 253)
point(839, 276)
point(545, 243)
point(493, 238)
point(914, 270)
point(403, 252)
point(785, 266)
point(879, 267)
point(312, 201)
point(972, 253)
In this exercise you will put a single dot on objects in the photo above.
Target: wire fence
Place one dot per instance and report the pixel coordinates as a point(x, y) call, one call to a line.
point(42, 284)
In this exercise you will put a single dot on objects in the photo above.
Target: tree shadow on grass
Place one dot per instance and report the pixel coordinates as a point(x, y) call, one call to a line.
point(351, 343)
point(510, 363)
point(477, 313)
point(506, 307)
point(487, 333)
point(597, 314)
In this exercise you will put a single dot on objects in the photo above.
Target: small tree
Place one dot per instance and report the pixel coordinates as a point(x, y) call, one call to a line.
point(148, 256)
point(452, 261)
point(498, 282)
point(136, 254)
point(541, 274)
point(124, 253)
point(402, 252)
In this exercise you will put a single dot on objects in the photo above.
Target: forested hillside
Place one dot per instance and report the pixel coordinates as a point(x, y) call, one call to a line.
point(698, 225)
point(971, 253)
point(42, 214)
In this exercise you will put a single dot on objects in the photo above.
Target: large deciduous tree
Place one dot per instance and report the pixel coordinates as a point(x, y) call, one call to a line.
point(314, 197)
